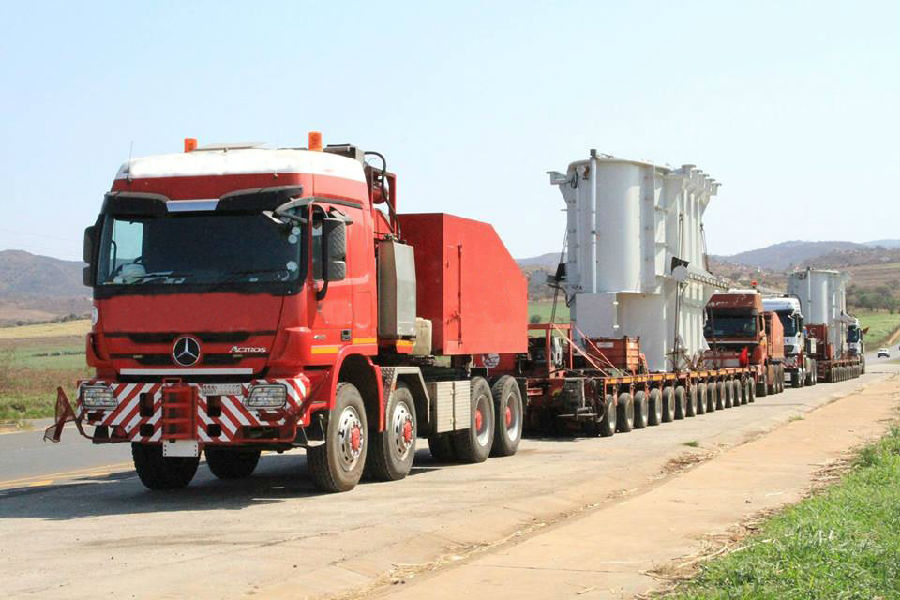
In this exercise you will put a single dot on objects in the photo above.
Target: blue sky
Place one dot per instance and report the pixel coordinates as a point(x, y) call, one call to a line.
point(794, 106)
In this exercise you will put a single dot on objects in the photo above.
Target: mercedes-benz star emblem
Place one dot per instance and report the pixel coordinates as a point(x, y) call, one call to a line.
point(186, 351)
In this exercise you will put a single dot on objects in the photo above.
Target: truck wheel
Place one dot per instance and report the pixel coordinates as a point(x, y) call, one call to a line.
point(692, 402)
point(641, 410)
point(862, 364)
point(701, 398)
point(668, 404)
point(815, 372)
point(508, 413)
point(440, 445)
point(162, 473)
point(610, 417)
point(655, 404)
point(680, 401)
point(473, 445)
point(762, 387)
point(737, 391)
point(392, 451)
point(796, 379)
point(231, 463)
point(625, 418)
point(337, 465)
point(712, 397)
point(749, 391)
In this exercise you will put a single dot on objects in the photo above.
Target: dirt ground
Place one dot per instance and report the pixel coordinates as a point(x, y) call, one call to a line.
point(582, 518)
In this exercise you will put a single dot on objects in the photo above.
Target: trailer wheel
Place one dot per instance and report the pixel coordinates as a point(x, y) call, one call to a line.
point(680, 401)
point(231, 463)
point(668, 404)
point(762, 386)
point(625, 418)
point(655, 406)
point(473, 445)
point(737, 391)
point(721, 395)
point(701, 398)
point(337, 465)
point(749, 391)
point(641, 410)
point(392, 451)
point(508, 413)
point(796, 379)
point(440, 445)
point(862, 364)
point(158, 472)
point(780, 378)
point(712, 396)
point(815, 368)
point(692, 402)
point(610, 417)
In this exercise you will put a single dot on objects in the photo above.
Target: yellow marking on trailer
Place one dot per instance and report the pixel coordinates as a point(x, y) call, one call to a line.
point(325, 349)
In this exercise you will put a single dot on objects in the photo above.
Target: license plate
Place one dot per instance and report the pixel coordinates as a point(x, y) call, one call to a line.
point(181, 448)
point(221, 389)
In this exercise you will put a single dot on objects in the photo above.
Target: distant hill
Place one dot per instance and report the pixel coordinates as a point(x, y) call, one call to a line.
point(40, 288)
point(883, 244)
point(788, 254)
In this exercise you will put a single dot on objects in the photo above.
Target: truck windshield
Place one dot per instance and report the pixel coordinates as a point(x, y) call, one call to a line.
point(853, 334)
point(194, 248)
point(725, 326)
point(788, 322)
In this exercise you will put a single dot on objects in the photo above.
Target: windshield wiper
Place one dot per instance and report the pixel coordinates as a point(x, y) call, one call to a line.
point(235, 275)
point(146, 277)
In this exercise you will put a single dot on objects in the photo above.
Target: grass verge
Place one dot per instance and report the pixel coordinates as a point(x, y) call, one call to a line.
point(881, 324)
point(843, 542)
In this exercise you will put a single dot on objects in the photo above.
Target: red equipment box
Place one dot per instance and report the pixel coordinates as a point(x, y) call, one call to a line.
point(622, 353)
point(467, 284)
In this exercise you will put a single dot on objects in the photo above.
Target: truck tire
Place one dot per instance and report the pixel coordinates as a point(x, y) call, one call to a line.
point(729, 393)
point(391, 452)
point(641, 410)
point(508, 416)
point(762, 387)
point(162, 473)
point(701, 398)
point(780, 378)
point(231, 463)
point(610, 417)
point(808, 376)
point(737, 393)
point(680, 403)
point(815, 372)
point(749, 391)
point(862, 364)
point(440, 445)
point(473, 444)
point(668, 404)
point(337, 465)
point(796, 379)
point(721, 395)
point(625, 416)
point(655, 404)
point(692, 402)
point(712, 396)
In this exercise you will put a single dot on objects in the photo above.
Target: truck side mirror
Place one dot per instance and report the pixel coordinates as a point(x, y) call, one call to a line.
point(87, 255)
point(334, 237)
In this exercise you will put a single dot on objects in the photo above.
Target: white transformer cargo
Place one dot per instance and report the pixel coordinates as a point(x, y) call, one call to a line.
point(823, 299)
point(626, 222)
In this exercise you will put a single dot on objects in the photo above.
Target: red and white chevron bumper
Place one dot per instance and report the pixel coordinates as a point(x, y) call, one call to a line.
point(218, 412)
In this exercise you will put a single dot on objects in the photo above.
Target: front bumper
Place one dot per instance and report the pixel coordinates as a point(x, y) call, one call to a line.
point(210, 413)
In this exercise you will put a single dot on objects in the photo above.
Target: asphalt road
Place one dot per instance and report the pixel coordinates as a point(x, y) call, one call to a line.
point(76, 521)
point(25, 458)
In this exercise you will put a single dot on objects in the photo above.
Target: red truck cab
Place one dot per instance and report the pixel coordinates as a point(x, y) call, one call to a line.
point(248, 298)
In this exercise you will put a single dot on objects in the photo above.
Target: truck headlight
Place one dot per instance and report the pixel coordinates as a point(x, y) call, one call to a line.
point(266, 396)
point(94, 397)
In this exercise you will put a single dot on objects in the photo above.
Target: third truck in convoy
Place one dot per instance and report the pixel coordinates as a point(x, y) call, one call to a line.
point(249, 299)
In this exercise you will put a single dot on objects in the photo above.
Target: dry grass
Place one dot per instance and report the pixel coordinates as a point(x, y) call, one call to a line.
point(46, 330)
